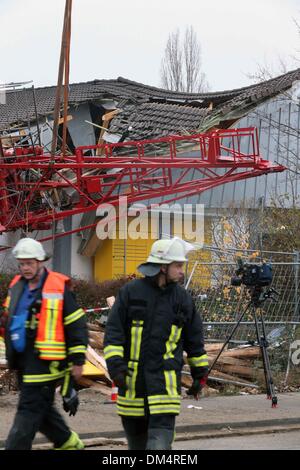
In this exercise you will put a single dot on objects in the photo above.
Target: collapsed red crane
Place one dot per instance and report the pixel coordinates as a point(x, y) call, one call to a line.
point(38, 189)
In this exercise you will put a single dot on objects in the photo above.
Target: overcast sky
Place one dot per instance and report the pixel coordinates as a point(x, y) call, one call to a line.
point(127, 38)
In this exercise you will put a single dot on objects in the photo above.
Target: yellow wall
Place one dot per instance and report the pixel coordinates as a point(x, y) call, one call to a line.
point(103, 261)
point(118, 257)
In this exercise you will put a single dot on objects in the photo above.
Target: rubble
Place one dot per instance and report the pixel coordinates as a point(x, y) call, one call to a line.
point(234, 367)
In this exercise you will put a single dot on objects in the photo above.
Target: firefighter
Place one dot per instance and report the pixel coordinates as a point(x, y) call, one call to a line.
point(46, 339)
point(150, 325)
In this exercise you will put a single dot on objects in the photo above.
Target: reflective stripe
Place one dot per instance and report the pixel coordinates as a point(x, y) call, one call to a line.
point(32, 323)
point(51, 350)
point(161, 399)
point(52, 296)
point(135, 349)
point(130, 401)
point(171, 382)
point(113, 350)
point(52, 316)
point(53, 367)
point(74, 316)
point(77, 349)
point(49, 355)
point(51, 344)
point(201, 361)
point(130, 407)
point(131, 380)
point(66, 384)
point(50, 329)
point(136, 339)
point(171, 344)
point(42, 377)
point(6, 302)
point(164, 409)
point(130, 411)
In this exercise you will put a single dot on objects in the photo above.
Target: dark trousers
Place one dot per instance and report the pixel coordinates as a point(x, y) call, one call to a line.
point(36, 412)
point(153, 432)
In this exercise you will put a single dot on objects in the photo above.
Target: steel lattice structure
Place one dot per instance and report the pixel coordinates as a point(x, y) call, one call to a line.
point(37, 189)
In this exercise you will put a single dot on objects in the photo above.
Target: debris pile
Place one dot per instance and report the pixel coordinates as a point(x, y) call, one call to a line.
point(240, 366)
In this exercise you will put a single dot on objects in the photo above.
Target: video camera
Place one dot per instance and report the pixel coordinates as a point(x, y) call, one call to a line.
point(252, 275)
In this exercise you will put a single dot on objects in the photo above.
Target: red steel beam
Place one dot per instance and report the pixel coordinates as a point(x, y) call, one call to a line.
point(139, 175)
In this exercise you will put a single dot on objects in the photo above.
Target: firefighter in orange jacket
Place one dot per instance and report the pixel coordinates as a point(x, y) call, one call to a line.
point(46, 339)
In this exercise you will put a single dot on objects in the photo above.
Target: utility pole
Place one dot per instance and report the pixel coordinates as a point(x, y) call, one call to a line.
point(63, 73)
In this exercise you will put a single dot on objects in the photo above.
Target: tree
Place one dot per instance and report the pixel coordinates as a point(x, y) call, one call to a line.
point(181, 65)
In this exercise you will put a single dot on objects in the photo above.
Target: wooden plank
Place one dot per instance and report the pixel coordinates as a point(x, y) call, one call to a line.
point(230, 360)
point(110, 301)
point(100, 324)
point(106, 118)
point(96, 335)
point(61, 120)
point(96, 359)
point(93, 326)
point(186, 381)
point(90, 370)
point(211, 347)
point(240, 353)
point(95, 344)
point(223, 375)
point(241, 371)
point(110, 115)
point(251, 352)
point(96, 338)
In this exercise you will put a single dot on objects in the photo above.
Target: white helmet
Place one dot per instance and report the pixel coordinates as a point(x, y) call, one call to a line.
point(28, 248)
point(165, 252)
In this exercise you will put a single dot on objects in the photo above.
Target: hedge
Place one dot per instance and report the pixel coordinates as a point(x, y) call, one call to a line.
point(89, 294)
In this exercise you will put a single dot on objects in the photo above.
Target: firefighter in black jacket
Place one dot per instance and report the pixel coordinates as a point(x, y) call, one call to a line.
point(46, 339)
point(150, 325)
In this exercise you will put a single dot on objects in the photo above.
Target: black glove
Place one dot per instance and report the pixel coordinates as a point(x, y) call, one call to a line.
point(197, 386)
point(71, 402)
point(120, 380)
point(69, 395)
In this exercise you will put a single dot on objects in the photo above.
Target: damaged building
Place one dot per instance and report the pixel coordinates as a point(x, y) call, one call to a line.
point(120, 110)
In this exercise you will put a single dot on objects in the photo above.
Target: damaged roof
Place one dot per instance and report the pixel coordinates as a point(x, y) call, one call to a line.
point(151, 111)
point(151, 120)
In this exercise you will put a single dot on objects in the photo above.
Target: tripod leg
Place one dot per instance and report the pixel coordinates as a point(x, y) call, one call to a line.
point(263, 344)
point(268, 365)
point(230, 336)
point(259, 341)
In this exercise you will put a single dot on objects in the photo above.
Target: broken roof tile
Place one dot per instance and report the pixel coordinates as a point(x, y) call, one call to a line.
point(146, 105)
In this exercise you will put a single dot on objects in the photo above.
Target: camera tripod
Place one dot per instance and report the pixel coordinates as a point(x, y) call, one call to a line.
point(258, 297)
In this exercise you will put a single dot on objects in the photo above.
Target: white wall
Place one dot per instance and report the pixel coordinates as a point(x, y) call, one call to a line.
point(81, 266)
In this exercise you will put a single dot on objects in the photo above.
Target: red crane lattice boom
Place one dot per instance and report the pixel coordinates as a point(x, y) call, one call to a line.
point(37, 189)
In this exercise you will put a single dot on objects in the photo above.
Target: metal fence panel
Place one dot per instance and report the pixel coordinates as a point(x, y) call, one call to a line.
point(220, 304)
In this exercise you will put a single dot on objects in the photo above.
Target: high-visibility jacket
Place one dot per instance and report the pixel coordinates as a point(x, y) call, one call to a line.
point(56, 333)
point(147, 331)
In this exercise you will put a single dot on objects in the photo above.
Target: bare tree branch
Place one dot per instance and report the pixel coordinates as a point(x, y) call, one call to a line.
point(181, 65)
